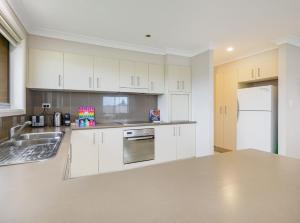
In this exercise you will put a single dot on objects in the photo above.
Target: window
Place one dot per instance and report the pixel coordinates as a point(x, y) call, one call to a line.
point(4, 71)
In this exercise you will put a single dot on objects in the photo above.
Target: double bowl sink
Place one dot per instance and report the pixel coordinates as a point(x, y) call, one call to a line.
point(30, 147)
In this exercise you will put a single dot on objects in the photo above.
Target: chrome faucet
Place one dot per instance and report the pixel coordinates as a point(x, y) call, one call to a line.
point(16, 130)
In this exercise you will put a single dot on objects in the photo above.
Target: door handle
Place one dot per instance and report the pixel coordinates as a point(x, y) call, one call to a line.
point(225, 109)
point(97, 82)
point(179, 131)
point(221, 110)
point(140, 138)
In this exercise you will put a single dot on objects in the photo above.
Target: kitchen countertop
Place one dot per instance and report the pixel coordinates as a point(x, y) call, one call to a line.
point(245, 186)
point(120, 125)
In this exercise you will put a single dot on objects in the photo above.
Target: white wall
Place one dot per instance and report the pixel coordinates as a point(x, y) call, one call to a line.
point(289, 101)
point(203, 102)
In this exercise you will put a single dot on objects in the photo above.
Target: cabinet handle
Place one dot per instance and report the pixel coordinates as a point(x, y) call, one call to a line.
point(152, 86)
point(102, 137)
point(138, 80)
point(182, 85)
point(174, 131)
point(225, 109)
point(59, 80)
point(94, 138)
point(252, 73)
point(97, 82)
point(179, 131)
point(258, 72)
point(90, 82)
point(177, 85)
point(221, 110)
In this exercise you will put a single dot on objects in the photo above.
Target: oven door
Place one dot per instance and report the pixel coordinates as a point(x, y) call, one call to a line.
point(138, 149)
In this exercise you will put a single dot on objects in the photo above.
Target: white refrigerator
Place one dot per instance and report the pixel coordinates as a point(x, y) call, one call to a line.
point(257, 118)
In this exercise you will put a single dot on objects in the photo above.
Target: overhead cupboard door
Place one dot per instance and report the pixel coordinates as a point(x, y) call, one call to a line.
point(256, 98)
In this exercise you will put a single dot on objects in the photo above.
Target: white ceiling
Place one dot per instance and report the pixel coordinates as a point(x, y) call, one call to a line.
point(177, 26)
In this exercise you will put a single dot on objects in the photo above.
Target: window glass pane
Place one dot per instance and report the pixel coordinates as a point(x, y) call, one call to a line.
point(4, 73)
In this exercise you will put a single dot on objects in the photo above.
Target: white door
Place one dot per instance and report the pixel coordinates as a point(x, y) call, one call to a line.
point(186, 141)
point(127, 70)
point(165, 143)
point(254, 130)
point(45, 69)
point(84, 152)
point(106, 74)
point(110, 150)
point(256, 98)
point(78, 72)
point(141, 75)
point(156, 79)
point(179, 107)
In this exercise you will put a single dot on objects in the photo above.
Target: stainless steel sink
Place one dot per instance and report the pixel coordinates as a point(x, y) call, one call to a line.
point(30, 147)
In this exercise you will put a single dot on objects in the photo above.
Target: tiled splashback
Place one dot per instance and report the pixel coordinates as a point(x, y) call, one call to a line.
point(109, 106)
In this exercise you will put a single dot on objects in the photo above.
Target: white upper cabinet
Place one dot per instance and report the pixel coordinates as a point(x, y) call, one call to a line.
point(179, 78)
point(45, 69)
point(127, 74)
point(141, 75)
point(156, 79)
point(260, 67)
point(78, 72)
point(133, 75)
point(106, 74)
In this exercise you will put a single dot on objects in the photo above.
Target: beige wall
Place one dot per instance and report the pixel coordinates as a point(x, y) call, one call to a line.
point(289, 100)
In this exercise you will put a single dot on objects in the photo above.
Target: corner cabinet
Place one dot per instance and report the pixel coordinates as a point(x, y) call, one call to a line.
point(78, 72)
point(179, 78)
point(45, 69)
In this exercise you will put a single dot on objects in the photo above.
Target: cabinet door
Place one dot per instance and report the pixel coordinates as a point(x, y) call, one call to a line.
point(165, 143)
point(110, 150)
point(84, 152)
point(247, 70)
point(267, 65)
point(180, 107)
point(173, 78)
point(127, 70)
point(45, 69)
point(141, 75)
point(219, 110)
point(156, 79)
point(185, 79)
point(78, 72)
point(106, 74)
point(230, 108)
point(186, 141)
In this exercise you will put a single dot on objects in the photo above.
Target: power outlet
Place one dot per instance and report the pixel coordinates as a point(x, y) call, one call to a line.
point(46, 105)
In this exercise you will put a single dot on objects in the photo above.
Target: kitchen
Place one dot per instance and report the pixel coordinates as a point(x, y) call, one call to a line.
point(99, 125)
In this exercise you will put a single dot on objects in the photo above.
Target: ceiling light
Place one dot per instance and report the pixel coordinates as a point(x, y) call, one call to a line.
point(230, 49)
point(148, 35)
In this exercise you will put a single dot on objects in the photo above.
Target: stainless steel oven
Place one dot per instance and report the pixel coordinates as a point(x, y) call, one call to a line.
point(138, 145)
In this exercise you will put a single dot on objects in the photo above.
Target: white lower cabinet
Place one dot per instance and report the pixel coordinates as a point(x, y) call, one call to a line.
point(101, 150)
point(96, 151)
point(84, 153)
point(175, 142)
point(110, 150)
